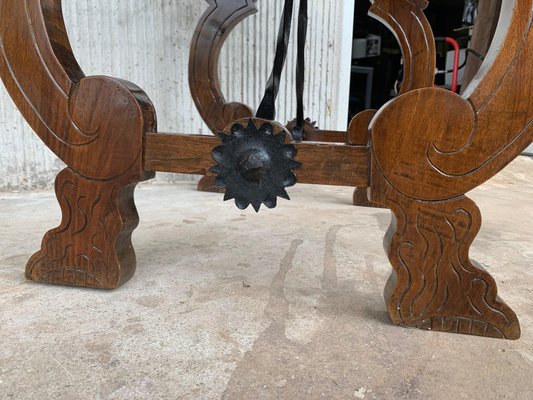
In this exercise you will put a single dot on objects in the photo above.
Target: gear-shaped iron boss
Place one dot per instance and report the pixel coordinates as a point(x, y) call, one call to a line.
point(254, 163)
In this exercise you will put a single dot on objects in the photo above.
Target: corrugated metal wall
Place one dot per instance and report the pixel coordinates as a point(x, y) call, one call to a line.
point(327, 80)
point(147, 42)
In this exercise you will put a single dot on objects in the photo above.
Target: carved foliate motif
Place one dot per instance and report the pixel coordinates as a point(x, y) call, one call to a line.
point(92, 246)
point(435, 285)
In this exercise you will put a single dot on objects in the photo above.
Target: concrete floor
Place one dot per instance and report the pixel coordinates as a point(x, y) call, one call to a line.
point(286, 304)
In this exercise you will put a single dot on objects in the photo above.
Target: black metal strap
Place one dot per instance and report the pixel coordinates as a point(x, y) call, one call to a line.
point(297, 132)
point(267, 108)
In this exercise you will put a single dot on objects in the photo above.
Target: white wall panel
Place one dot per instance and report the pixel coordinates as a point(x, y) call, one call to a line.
point(147, 42)
point(248, 56)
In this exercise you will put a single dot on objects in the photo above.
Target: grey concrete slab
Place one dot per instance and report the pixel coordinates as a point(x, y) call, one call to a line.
point(285, 304)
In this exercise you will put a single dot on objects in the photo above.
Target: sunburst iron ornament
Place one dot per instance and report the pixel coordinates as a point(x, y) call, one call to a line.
point(254, 164)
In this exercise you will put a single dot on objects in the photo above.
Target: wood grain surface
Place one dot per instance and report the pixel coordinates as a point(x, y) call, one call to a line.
point(322, 163)
point(429, 148)
point(93, 124)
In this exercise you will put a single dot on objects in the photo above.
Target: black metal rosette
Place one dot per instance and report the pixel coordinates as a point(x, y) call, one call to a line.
point(254, 165)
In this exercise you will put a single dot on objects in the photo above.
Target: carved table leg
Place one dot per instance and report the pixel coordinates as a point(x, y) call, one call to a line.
point(92, 246)
point(429, 148)
point(434, 284)
point(360, 198)
point(96, 126)
point(359, 135)
point(207, 184)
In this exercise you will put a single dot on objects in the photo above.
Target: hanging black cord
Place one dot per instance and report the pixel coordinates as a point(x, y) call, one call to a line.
point(297, 132)
point(267, 109)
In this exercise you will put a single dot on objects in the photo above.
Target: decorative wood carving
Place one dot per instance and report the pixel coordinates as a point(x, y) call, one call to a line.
point(211, 32)
point(322, 163)
point(435, 285)
point(406, 19)
point(98, 216)
point(96, 126)
point(429, 148)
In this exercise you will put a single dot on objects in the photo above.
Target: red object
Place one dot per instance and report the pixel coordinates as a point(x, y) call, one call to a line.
point(455, 77)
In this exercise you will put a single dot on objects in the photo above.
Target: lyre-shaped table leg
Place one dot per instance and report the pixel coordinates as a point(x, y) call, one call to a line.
point(96, 125)
point(92, 246)
point(429, 148)
point(434, 284)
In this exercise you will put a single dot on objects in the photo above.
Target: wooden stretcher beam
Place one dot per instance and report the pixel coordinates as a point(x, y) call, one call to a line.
point(322, 163)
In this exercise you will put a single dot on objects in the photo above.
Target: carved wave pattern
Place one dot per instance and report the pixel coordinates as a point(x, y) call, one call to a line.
point(82, 250)
point(435, 285)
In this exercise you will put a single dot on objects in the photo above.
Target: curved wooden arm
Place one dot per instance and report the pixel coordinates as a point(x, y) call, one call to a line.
point(96, 125)
point(406, 19)
point(429, 148)
point(77, 117)
point(451, 144)
point(211, 32)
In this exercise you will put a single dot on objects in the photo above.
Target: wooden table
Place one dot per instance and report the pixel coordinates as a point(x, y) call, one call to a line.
point(419, 155)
